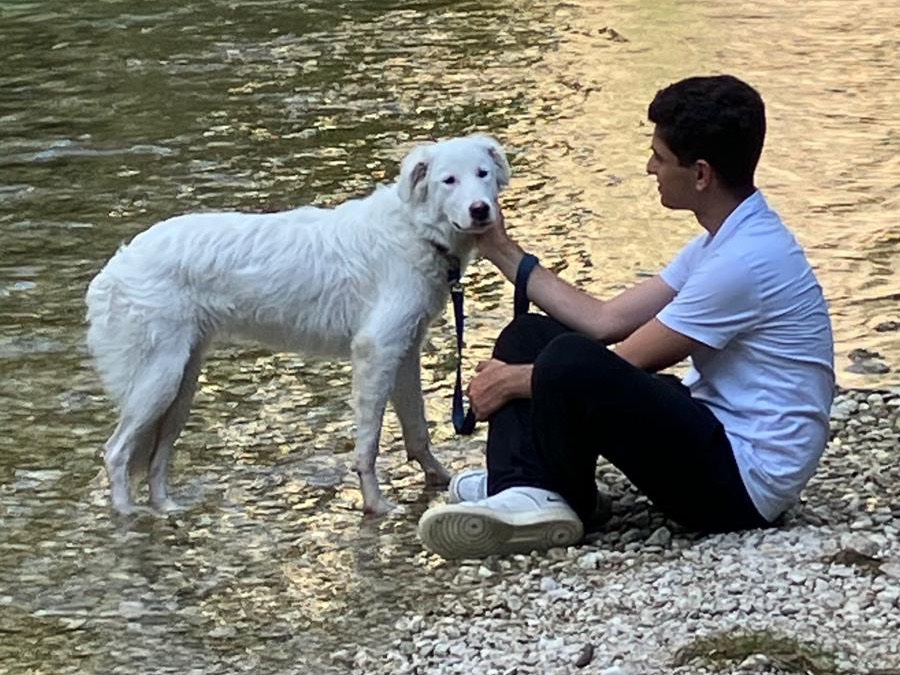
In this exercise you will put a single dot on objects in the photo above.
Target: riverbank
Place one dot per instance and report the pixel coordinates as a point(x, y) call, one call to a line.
point(819, 594)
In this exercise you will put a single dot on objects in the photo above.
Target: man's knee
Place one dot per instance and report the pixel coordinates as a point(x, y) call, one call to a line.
point(524, 337)
point(573, 361)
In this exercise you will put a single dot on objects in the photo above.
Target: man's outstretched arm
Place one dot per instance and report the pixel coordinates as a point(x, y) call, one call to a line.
point(608, 321)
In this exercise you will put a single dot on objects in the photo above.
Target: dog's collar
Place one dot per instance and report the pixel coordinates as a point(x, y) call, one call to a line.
point(454, 264)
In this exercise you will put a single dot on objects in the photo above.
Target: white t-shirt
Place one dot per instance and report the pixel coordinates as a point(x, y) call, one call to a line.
point(767, 368)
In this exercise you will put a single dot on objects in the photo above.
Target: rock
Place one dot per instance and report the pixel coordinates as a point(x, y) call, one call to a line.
point(590, 561)
point(861, 523)
point(586, 656)
point(891, 569)
point(755, 663)
point(860, 543)
point(868, 367)
point(549, 584)
point(843, 408)
point(660, 537)
point(862, 355)
point(612, 34)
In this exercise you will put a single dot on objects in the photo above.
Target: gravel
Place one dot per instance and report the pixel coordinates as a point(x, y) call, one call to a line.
point(818, 594)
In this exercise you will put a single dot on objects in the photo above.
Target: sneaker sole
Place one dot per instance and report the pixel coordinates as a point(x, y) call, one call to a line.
point(468, 531)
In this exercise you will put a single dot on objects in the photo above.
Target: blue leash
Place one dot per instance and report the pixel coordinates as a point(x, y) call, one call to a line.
point(464, 422)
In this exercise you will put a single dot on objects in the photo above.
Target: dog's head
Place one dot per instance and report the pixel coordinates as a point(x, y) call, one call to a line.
point(457, 180)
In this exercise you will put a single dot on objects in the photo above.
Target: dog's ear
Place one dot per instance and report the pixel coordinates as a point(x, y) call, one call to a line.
point(495, 150)
point(412, 185)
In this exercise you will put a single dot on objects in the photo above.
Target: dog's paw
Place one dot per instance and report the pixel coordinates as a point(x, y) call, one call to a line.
point(438, 478)
point(168, 506)
point(379, 507)
point(129, 510)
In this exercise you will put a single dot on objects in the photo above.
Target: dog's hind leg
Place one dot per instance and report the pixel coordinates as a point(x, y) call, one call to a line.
point(153, 389)
point(126, 443)
point(168, 430)
point(410, 408)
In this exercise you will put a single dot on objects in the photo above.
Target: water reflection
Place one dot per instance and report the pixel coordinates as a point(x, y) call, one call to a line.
point(115, 118)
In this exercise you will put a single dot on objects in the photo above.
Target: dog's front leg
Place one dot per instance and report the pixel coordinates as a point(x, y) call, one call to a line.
point(410, 408)
point(376, 357)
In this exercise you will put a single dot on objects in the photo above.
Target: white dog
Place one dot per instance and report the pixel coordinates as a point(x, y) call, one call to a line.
point(363, 280)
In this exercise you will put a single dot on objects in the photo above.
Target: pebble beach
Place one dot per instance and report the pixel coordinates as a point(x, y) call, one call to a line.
point(819, 593)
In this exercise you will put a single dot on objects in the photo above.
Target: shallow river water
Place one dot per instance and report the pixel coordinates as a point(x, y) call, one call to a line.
point(116, 114)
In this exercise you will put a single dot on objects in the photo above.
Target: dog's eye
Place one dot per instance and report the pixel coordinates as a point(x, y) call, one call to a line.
point(482, 173)
point(449, 180)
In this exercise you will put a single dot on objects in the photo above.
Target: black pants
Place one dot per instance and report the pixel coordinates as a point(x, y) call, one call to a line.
point(587, 402)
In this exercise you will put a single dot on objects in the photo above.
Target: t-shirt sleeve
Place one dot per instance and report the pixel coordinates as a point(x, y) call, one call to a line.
point(718, 301)
point(676, 273)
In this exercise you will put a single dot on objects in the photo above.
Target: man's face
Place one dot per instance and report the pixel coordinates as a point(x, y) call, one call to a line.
point(677, 184)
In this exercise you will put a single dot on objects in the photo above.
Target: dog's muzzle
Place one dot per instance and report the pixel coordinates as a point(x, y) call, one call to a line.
point(480, 218)
point(472, 227)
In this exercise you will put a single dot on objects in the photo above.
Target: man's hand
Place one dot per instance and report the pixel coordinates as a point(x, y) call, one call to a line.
point(494, 239)
point(495, 384)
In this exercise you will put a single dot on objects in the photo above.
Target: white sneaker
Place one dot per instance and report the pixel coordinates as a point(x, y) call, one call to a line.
point(468, 486)
point(516, 520)
point(471, 486)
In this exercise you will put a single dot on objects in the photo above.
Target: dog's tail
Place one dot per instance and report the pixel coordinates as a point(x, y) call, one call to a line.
point(130, 328)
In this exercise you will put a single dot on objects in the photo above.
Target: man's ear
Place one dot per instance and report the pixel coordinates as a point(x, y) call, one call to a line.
point(412, 185)
point(495, 150)
point(704, 174)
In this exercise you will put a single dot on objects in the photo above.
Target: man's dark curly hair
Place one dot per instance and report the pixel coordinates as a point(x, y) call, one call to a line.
point(719, 119)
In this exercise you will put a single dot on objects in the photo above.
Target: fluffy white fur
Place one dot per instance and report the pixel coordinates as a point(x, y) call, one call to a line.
point(362, 280)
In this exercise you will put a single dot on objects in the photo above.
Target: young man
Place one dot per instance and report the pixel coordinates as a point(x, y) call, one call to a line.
point(728, 449)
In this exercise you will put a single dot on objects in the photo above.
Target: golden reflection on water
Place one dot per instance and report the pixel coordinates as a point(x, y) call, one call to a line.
point(831, 167)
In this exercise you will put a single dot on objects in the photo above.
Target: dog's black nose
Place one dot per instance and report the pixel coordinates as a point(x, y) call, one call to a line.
point(479, 211)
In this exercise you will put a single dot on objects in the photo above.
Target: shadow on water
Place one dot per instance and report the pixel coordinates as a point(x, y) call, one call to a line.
point(115, 116)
